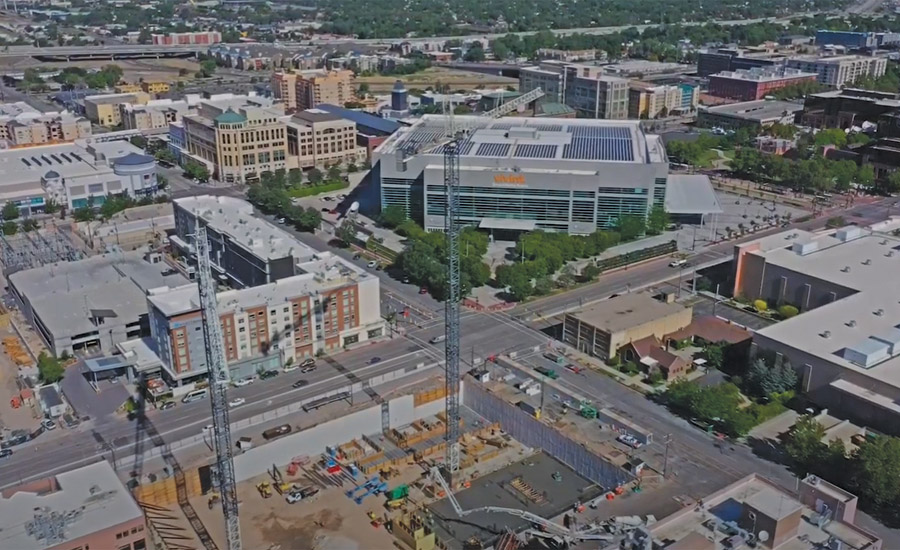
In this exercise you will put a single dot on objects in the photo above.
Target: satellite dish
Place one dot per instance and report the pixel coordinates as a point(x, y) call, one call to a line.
point(763, 536)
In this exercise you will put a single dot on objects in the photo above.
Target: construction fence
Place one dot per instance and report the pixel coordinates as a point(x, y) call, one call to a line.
point(535, 434)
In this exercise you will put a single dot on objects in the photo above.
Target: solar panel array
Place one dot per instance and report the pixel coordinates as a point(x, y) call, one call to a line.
point(547, 127)
point(507, 124)
point(599, 143)
point(493, 150)
point(536, 151)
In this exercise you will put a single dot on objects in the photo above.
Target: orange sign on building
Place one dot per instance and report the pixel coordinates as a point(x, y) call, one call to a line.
point(517, 179)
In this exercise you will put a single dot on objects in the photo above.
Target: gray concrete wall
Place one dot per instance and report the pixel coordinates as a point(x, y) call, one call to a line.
point(538, 435)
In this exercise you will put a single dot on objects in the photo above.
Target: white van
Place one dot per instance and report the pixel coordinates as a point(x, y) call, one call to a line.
point(195, 395)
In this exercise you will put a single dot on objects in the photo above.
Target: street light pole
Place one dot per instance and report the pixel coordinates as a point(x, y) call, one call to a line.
point(666, 459)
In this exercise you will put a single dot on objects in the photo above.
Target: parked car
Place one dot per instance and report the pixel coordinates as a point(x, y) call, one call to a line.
point(423, 290)
point(293, 497)
point(406, 280)
point(237, 402)
point(48, 424)
point(266, 374)
point(291, 367)
point(167, 405)
point(372, 264)
point(6, 453)
point(308, 362)
point(300, 384)
point(243, 382)
point(307, 370)
point(630, 440)
point(680, 262)
point(280, 220)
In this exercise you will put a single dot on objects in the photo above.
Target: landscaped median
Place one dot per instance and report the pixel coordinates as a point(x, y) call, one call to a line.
point(310, 190)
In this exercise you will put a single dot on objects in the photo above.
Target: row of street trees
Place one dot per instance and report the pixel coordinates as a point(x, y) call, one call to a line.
point(272, 195)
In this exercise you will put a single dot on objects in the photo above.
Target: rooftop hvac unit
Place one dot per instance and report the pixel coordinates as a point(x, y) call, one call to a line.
point(867, 262)
point(845, 269)
point(826, 334)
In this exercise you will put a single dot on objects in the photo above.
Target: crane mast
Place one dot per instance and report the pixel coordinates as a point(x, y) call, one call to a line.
point(217, 369)
point(451, 306)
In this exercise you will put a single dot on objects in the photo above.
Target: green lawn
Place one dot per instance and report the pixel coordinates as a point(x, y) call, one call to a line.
point(310, 190)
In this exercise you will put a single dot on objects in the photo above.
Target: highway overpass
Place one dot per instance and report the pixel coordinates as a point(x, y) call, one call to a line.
point(117, 51)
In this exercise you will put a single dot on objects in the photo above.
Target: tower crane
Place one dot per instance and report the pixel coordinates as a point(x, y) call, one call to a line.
point(450, 144)
point(217, 369)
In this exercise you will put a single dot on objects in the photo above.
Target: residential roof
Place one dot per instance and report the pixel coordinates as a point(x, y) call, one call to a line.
point(90, 498)
point(235, 218)
point(365, 122)
point(759, 111)
point(50, 396)
point(691, 194)
point(324, 271)
point(626, 311)
point(712, 329)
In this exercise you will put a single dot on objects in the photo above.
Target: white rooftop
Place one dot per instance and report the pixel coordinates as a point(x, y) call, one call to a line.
point(859, 332)
point(323, 272)
point(92, 497)
point(235, 218)
point(691, 194)
point(70, 160)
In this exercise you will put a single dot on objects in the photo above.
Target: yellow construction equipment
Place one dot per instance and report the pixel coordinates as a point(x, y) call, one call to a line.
point(265, 489)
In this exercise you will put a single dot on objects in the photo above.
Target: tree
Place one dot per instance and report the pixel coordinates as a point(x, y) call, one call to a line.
point(29, 224)
point(519, 285)
point(207, 68)
point(392, 216)
point(804, 445)
point(51, 206)
point(715, 355)
point(590, 272)
point(10, 211)
point(10, 228)
point(877, 466)
point(835, 221)
point(83, 214)
point(50, 368)
point(346, 234)
point(833, 136)
point(144, 36)
point(475, 54)
point(334, 173)
point(295, 177)
point(631, 226)
point(657, 221)
point(865, 177)
point(165, 156)
point(138, 141)
point(787, 311)
point(891, 184)
point(362, 90)
point(764, 380)
point(314, 176)
point(196, 171)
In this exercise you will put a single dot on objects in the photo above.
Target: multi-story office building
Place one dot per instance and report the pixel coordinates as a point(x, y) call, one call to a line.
point(290, 302)
point(75, 174)
point(302, 90)
point(583, 87)
point(237, 141)
point(187, 38)
point(748, 114)
point(33, 128)
point(519, 174)
point(284, 88)
point(714, 61)
point(335, 87)
point(653, 101)
point(840, 71)
point(756, 83)
point(155, 115)
point(848, 39)
point(318, 138)
point(850, 107)
point(157, 87)
point(105, 109)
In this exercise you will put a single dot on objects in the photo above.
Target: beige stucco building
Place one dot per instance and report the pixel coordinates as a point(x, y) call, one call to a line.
point(105, 109)
point(42, 129)
point(306, 89)
point(603, 328)
point(320, 139)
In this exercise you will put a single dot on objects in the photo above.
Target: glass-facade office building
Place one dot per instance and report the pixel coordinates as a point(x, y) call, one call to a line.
point(572, 175)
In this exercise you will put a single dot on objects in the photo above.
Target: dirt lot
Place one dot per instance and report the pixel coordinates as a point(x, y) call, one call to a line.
point(135, 69)
point(434, 75)
point(12, 419)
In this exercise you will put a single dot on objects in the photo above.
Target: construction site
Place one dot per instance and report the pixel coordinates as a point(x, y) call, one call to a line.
point(387, 475)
